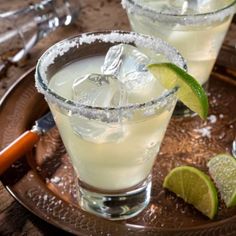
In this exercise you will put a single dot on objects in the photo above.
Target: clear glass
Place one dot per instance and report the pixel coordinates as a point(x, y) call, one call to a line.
point(21, 29)
point(197, 30)
point(114, 175)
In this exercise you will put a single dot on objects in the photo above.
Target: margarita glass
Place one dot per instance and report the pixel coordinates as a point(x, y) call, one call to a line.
point(196, 28)
point(112, 147)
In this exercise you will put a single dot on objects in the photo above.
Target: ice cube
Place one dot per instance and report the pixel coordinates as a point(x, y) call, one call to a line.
point(97, 131)
point(128, 64)
point(100, 91)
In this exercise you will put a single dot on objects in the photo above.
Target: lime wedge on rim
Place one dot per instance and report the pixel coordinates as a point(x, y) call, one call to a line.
point(194, 187)
point(222, 169)
point(190, 92)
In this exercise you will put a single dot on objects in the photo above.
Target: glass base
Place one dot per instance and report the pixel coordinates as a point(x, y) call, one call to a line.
point(182, 111)
point(116, 206)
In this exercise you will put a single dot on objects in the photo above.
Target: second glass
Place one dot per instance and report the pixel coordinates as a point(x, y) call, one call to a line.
point(195, 27)
point(112, 124)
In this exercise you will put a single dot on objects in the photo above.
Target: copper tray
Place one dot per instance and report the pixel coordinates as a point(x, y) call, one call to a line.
point(42, 181)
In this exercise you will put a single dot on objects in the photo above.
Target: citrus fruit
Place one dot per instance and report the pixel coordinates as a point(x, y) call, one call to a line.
point(194, 187)
point(190, 92)
point(222, 169)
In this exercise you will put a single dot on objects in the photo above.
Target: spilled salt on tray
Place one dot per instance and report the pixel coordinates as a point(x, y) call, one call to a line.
point(45, 197)
point(221, 116)
point(205, 131)
point(212, 119)
point(55, 180)
point(38, 168)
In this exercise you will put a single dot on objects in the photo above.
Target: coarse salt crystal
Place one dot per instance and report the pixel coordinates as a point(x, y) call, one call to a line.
point(55, 180)
point(221, 116)
point(205, 131)
point(212, 119)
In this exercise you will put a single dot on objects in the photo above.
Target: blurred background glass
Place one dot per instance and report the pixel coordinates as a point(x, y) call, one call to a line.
point(22, 28)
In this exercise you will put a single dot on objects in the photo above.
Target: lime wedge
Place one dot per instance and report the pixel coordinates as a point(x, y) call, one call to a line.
point(222, 169)
point(194, 187)
point(190, 92)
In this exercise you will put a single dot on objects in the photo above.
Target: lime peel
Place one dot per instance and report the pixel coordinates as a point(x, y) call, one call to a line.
point(190, 92)
point(194, 187)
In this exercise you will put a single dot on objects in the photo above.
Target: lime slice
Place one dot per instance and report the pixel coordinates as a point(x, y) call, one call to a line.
point(190, 92)
point(194, 187)
point(222, 169)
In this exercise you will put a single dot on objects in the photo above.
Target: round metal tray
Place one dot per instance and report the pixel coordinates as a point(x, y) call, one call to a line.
point(42, 181)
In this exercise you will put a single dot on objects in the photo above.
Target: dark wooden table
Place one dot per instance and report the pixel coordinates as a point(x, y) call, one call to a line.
point(95, 15)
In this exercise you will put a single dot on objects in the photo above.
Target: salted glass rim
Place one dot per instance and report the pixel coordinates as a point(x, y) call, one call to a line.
point(186, 19)
point(58, 49)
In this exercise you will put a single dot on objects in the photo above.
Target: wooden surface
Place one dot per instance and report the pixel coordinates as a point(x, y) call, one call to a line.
point(95, 15)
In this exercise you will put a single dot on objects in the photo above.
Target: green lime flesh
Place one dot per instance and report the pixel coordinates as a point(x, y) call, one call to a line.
point(194, 187)
point(222, 169)
point(190, 92)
